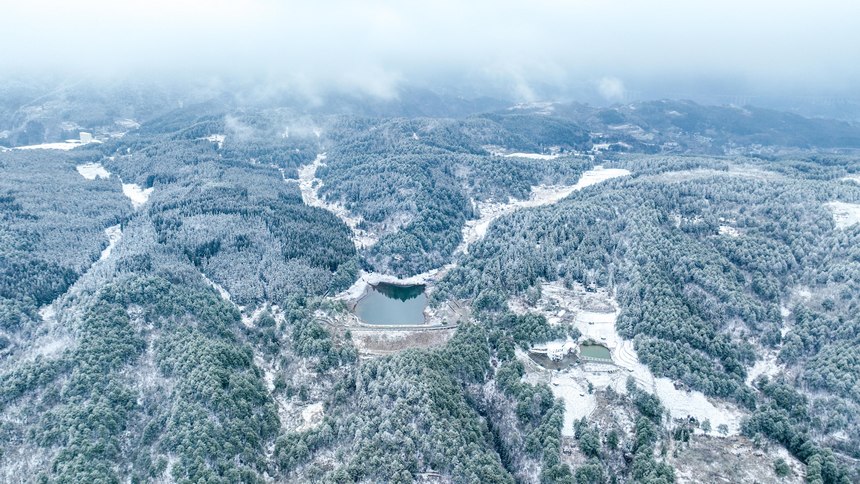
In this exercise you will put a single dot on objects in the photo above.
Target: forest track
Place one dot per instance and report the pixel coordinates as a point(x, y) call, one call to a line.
point(355, 327)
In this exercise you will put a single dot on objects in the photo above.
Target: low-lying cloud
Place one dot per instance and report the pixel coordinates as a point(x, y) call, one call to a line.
point(611, 88)
point(522, 48)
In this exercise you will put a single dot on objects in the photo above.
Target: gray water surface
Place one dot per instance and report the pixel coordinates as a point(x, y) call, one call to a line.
point(596, 351)
point(392, 305)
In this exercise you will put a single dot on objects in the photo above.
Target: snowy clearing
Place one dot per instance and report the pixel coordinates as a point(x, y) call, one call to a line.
point(85, 138)
point(217, 139)
point(114, 233)
point(767, 366)
point(728, 230)
point(91, 171)
point(137, 195)
point(844, 214)
point(506, 153)
point(532, 156)
point(594, 315)
point(65, 146)
point(312, 417)
point(309, 185)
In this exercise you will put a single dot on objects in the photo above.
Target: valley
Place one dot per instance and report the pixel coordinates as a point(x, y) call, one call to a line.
point(502, 242)
point(378, 303)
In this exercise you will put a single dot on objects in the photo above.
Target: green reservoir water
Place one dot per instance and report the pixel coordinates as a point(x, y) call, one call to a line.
point(595, 351)
point(393, 305)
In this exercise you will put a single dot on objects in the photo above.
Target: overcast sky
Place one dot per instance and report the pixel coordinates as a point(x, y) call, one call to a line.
point(609, 48)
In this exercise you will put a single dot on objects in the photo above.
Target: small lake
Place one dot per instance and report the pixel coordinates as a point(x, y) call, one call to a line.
point(392, 305)
point(598, 352)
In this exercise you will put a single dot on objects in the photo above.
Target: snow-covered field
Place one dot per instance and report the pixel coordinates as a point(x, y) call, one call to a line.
point(309, 185)
point(217, 139)
point(137, 195)
point(767, 366)
point(594, 314)
point(64, 146)
point(729, 231)
point(504, 152)
point(312, 417)
point(844, 214)
point(532, 156)
point(91, 171)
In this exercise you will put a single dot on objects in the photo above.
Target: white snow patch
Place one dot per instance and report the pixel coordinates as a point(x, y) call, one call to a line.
point(64, 146)
point(114, 233)
point(844, 214)
point(137, 195)
point(729, 231)
point(682, 404)
point(767, 366)
point(532, 156)
point(216, 138)
point(312, 417)
point(48, 313)
point(568, 386)
point(91, 171)
point(50, 345)
point(506, 153)
point(268, 372)
point(85, 138)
